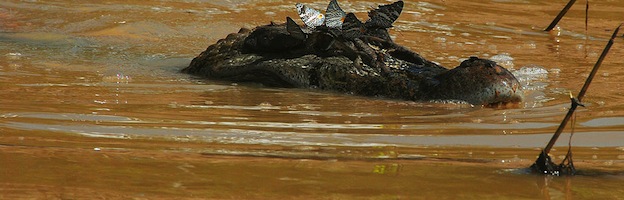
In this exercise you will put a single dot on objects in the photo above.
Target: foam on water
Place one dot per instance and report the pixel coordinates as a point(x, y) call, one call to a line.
point(504, 60)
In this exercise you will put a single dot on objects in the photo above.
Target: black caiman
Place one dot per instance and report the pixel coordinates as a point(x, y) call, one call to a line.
point(352, 57)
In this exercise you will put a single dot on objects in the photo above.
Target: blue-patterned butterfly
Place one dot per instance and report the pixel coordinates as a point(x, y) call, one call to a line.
point(311, 18)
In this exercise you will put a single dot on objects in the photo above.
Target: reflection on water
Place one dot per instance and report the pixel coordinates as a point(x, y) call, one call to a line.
point(90, 94)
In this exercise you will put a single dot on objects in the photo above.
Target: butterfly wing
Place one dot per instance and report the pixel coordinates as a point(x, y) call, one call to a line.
point(294, 29)
point(310, 17)
point(385, 15)
point(334, 15)
point(352, 27)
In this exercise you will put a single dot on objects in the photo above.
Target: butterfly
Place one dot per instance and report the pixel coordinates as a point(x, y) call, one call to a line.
point(334, 15)
point(385, 15)
point(333, 18)
point(310, 17)
point(352, 27)
point(295, 30)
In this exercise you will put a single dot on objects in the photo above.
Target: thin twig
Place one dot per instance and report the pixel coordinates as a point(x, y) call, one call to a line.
point(588, 81)
point(560, 15)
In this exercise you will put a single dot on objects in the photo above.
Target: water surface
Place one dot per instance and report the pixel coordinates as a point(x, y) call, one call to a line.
point(93, 105)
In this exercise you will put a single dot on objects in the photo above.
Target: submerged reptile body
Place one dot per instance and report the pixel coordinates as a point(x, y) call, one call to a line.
point(366, 63)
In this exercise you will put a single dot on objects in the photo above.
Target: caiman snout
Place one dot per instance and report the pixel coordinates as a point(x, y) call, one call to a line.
point(476, 81)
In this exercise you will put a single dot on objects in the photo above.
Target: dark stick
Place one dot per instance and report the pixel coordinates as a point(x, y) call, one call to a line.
point(561, 14)
point(552, 141)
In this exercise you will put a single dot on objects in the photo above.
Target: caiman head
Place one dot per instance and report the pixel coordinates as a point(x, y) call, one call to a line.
point(353, 57)
point(477, 81)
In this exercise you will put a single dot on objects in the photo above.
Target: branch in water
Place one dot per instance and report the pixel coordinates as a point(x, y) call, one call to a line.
point(542, 164)
point(560, 15)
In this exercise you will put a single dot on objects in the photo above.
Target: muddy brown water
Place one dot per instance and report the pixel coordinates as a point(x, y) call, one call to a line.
point(92, 106)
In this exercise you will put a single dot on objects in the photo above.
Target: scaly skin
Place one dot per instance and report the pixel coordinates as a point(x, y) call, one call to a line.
point(376, 67)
